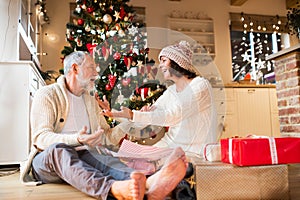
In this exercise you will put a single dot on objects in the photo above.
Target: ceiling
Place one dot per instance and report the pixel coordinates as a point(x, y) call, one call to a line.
point(289, 3)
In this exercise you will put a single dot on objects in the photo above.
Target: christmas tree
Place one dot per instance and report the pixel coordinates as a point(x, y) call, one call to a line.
point(108, 30)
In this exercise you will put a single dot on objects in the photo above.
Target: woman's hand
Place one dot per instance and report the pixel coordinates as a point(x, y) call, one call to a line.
point(147, 108)
point(104, 104)
point(123, 113)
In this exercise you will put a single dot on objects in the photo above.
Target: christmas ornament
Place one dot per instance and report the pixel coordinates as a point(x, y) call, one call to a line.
point(91, 47)
point(133, 30)
point(90, 9)
point(133, 98)
point(122, 13)
point(107, 19)
point(112, 80)
point(108, 87)
point(87, 28)
point(80, 22)
point(117, 56)
point(78, 9)
point(78, 42)
point(117, 15)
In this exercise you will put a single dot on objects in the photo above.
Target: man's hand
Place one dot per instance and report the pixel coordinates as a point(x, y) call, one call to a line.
point(104, 104)
point(91, 140)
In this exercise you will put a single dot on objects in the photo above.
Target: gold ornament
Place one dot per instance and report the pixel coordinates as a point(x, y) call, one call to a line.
point(132, 98)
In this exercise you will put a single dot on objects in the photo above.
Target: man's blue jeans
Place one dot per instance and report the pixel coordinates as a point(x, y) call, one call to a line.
point(89, 172)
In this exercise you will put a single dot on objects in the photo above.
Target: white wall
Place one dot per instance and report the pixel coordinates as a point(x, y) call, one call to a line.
point(156, 16)
point(9, 37)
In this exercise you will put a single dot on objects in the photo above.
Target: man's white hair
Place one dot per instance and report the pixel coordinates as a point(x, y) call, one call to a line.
point(76, 57)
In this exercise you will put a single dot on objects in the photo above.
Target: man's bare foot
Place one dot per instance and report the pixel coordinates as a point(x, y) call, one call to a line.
point(133, 189)
point(166, 179)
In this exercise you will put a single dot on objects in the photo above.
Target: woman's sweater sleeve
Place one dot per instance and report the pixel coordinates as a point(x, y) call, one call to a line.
point(172, 107)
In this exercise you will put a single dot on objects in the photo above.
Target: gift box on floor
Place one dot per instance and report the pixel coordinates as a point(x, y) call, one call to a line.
point(217, 180)
point(260, 151)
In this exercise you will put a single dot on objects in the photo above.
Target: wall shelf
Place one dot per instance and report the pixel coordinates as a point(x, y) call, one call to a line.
point(198, 32)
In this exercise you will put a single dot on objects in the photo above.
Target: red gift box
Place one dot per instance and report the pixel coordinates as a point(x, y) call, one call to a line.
point(260, 151)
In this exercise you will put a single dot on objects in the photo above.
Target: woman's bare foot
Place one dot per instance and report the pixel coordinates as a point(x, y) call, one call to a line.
point(133, 189)
point(166, 179)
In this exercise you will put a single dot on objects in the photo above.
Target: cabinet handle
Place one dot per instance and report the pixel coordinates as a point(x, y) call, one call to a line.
point(251, 90)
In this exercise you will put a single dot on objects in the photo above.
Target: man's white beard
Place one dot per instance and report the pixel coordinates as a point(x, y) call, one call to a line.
point(86, 84)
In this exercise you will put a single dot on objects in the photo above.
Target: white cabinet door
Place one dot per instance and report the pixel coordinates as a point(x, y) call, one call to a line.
point(230, 124)
point(254, 115)
point(15, 97)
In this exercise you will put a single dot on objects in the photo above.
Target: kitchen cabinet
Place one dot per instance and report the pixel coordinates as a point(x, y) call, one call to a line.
point(225, 105)
point(21, 31)
point(18, 83)
point(250, 111)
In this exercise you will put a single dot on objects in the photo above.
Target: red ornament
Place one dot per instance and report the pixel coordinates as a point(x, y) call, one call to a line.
point(90, 9)
point(112, 80)
point(117, 56)
point(80, 22)
point(122, 12)
point(108, 87)
point(90, 47)
point(111, 77)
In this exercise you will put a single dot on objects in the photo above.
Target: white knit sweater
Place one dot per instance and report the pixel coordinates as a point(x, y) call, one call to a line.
point(49, 110)
point(189, 114)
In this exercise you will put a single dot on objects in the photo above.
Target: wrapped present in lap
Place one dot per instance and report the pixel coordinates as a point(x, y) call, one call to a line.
point(260, 151)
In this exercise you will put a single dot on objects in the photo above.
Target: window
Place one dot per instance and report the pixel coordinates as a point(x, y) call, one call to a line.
point(253, 38)
point(249, 51)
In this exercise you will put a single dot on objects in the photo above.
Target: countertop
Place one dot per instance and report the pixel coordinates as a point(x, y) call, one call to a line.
point(244, 85)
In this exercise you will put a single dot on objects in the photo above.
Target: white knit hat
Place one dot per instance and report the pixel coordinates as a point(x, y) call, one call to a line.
point(180, 53)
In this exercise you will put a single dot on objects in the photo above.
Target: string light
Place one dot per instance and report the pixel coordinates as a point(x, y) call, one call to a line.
point(251, 22)
point(242, 16)
point(264, 27)
point(259, 27)
point(278, 20)
point(260, 23)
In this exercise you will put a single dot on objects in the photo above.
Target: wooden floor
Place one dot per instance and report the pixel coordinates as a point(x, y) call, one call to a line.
point(12, 189)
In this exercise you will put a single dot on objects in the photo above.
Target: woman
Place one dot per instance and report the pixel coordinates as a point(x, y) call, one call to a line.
point(186, 107)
